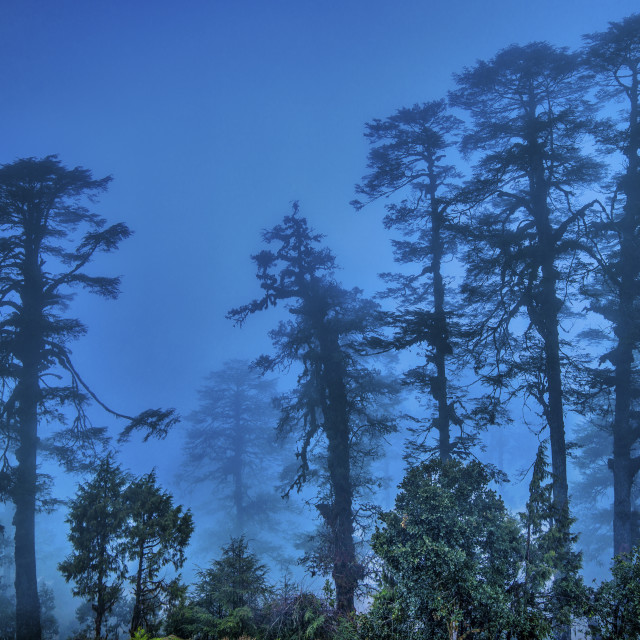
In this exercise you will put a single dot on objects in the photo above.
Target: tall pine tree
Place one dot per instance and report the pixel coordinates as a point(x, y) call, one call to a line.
point(337, 398)
point(527, 126)
point(614, 57)
point(408, 160)
point(48, 237)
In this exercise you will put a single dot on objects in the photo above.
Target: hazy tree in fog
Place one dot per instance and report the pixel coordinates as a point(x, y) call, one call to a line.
point(47, 238)
point(592, 490)
point(97, 517)
point(333, 405)
point(528, 122)
point(156, 536)
point(614, 56)
point(231, 445)
point(407, 159)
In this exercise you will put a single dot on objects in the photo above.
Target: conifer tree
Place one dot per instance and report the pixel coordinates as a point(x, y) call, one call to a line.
point(97, 518)
point(238, 579)
point(527, 128)
point(156, 535)
point(550, 591)
point(48, 237)
point(613, 56)
point(408, 160)
point(231, 444)
point(337, 399)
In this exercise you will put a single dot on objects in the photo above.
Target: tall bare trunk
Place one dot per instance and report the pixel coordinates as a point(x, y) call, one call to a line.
point(624, 466)
point(28, 349)
point(26, 582)
point(339, 515)
point(442, 346)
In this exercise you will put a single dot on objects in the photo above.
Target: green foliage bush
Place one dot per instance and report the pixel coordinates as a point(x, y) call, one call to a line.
point(616, 607)
point(451, 552)
point(457, 564)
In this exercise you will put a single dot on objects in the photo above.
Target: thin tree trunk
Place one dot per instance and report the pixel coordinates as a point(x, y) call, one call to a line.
point(99, 616)
point(28, 348)
point(99, 607)
point(339, 518)
point(623, 466)
point(442, 347)
point(136, 619)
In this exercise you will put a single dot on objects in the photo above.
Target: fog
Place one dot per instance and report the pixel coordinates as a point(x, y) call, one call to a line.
point(213, 118)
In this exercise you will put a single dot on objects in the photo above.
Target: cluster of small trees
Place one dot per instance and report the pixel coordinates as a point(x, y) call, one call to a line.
point(125, 530)
point(545, 226)
point(452, 562)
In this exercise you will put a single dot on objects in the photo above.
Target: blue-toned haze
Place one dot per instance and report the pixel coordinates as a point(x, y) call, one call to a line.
point(212, 117)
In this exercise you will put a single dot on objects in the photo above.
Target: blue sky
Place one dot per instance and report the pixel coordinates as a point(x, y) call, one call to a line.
point(212, 117)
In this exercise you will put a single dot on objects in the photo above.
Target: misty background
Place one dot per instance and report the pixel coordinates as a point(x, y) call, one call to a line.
point(212, 118)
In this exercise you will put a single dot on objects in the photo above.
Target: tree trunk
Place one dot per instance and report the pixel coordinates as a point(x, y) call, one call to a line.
point(555, 410)
point(621, 464)
point(99, 616)
point(28, 348)
point(544, 314)
point(442, 347)
point(345, 568)
point(339, 517)
point(24, 519)
point(99, 607)
point(136, 619)
point(623, 467)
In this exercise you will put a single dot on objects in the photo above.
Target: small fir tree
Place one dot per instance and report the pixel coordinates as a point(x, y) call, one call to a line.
point(97, 518)
point(550, 592)
point(156, 536)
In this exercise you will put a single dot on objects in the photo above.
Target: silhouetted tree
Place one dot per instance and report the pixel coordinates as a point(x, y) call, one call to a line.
point(42, 259)
point(97, 518)
point(231, 444)
point(614, 57)
point(528, 123)
point(336, 395)
point(156, 535)
point(408, 158)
